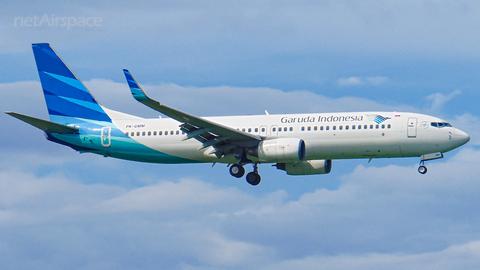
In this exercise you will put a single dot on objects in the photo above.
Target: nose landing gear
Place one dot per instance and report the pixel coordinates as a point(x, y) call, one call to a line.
point(422, 169)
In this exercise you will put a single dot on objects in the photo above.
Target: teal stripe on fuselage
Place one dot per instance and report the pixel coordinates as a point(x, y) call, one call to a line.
point(121, 146)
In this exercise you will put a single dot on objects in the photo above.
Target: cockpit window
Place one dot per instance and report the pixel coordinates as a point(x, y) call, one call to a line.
point(440, 124)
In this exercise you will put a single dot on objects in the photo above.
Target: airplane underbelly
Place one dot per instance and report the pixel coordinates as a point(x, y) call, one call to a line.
point(352, 148)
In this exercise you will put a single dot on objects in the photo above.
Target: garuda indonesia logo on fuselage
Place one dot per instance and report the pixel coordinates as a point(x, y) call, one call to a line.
point(377, 118)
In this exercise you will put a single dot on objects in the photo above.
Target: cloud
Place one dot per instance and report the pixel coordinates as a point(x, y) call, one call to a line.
point(411, 27)
point(218, 100)
point(352, 81)
point(466, 256)
point(204, 101)
point(439, 99)
point(379, 217)
point(376, 80)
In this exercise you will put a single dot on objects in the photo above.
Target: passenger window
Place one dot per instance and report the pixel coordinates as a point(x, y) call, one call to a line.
point(154, 133)
point(377, 126)
point(383, 126)
point(256, 129)
point(263, 129)
point(309, 128)
point(321, 127)
point(274, 129)
point(327, 128)
point(315, 128)
point(159, 133)
point(285, 129)
point(389, 126)
point(178, 132)
point(334, 127)
point(279, 129)
point(138, 133)
point(171, 132)
point(149, 133)
point(243, 129)
point(353, 126)
point(249, 130)
point(359, 126)
point(340, 127)
point(365, 127)
point(371, 126)
point(143, 133)
point(303, 128)
point(291, 128)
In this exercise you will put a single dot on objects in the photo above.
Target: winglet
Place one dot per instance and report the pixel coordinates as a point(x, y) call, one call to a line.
point(135, 88)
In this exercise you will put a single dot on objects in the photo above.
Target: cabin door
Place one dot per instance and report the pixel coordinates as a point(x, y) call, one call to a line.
point(412, 127)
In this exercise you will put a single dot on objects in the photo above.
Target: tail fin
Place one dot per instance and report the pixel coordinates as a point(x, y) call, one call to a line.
point(65, 94)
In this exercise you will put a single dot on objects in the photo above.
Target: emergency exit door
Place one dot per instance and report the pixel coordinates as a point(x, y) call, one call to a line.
point(106, 136)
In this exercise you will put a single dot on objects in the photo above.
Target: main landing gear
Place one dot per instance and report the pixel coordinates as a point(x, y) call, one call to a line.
point(237, 170)
point(253, 178)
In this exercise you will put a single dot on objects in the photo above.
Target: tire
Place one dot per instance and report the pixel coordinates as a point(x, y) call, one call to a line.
point(237, 170)
point(253, 178)
point(422, 169)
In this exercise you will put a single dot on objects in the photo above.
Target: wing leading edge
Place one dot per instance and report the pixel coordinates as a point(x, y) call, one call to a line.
point(224, 139)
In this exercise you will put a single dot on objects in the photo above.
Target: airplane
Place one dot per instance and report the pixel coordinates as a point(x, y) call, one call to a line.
point(300, 144)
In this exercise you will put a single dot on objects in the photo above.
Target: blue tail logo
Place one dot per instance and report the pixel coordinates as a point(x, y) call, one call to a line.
point(65, 94)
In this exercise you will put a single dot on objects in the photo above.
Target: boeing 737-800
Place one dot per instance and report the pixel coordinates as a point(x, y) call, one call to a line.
point(300, 144)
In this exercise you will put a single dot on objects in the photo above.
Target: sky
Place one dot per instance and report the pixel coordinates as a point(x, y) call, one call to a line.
point(63, 210)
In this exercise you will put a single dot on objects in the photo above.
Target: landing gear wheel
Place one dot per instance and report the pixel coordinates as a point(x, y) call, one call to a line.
point(422, 169)
point(237, 170)
point(253, 178)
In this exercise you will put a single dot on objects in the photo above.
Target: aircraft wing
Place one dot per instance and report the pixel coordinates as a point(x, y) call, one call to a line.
point(44, 125)
point(207, 132)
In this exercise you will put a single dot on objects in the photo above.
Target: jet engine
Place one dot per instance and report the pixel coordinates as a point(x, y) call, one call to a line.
point(306, 167)
point(279, 150)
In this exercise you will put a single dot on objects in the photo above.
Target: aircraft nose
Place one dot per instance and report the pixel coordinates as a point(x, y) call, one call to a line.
point(461, 137)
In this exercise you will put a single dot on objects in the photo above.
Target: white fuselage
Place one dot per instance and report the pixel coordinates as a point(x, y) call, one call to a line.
point(326, 135)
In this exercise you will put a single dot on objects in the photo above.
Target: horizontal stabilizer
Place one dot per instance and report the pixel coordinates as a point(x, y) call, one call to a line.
point(44, 125)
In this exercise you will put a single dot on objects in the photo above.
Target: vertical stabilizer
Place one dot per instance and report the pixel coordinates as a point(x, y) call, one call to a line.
point(66, 97)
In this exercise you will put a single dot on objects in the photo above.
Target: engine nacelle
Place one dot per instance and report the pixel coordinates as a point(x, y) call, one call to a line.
point(280, 150)
point(306, 167)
